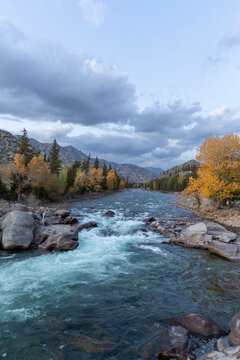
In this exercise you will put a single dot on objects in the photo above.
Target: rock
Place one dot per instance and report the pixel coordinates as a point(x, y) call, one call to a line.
point(50, 217)
point(59, 242)
point(63, 213)
point(109, 213)
point(89, 225)
point(175, 344)
point(17, 230)
point(197, 324)
point(198, 241)
point(41, 233)
point(149, 220)
point(222, 344)
point(228, 251)
point(90, 345)
point(234, 336)
point(199, 228)
point(69, 220)
point(219, 232)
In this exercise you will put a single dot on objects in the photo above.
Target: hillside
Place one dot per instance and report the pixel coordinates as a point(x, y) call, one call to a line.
point(183, 169)
point(69, 154)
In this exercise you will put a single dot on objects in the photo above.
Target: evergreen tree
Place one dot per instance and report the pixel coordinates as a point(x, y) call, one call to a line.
point(24, 147)
point(84, 165)
point(105, 172)
point(96, 163)
point(72, 173)
point(55, 162)
point(110, 168)
point(88, 162)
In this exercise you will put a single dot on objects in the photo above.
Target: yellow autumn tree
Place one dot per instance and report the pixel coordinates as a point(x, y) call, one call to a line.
point(80, 183)
point(111, 180)
point(122, 184)
point(218, 174)
point(38, 173)
point(17, 174)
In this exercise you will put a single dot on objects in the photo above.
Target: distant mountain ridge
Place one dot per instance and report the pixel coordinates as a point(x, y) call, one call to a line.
point(69, 154)
point(184, 168)
point(156, 171)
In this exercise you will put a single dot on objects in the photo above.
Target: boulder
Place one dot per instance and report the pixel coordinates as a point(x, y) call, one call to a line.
point(109, 213)
point(219, 232)
point(149, 220)
point(89, 225)
point(41, 233)
point(17, 230)
point(222, 344)
point(228, 251)
point(198, 241)
point(69, 220)
point(59, 242)
point(234, 336)
point(199, 228)
point(63, 213)
point(50, 217)
point(197, 324)
point(175, 344)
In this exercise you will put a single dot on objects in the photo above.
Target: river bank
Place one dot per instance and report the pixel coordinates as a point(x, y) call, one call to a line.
point(229, 217)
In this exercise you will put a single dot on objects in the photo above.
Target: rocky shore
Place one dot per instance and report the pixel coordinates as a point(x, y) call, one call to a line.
point(23, 227)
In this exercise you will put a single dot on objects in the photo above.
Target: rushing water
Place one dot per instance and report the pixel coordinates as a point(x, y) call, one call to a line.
point(105, 299)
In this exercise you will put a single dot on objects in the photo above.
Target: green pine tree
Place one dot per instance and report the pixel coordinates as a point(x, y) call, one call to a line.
point(71, 173)
point(55, 162)
point(96, 163)
point(24, 147)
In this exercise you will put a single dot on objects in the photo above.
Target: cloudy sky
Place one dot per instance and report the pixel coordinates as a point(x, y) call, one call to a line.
point(140, 81)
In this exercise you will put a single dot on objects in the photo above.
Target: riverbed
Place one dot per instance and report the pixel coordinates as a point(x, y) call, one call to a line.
point(106, 299)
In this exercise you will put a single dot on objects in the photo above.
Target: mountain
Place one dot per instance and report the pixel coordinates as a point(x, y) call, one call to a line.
point(184, 168)
point(156, 171)
point(69, 154)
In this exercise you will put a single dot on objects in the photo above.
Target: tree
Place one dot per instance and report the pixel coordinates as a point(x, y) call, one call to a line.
point(218, 175)
point(37, 173)
point(17, 173)
point(72, 172)
point(55, 162)
point(80, 184)
point(111, 180)
point(24, 147)
point(96, 163)
point(105, 172)
point(122, 184)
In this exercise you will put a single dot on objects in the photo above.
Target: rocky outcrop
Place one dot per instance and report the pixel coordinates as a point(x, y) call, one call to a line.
point(89, 225)
point(109, 213)
point(175, 344)
point(197, 324)
point(228, 251)
point(17, 230)
point(234, 336)
point(22, 228)
point(227, 348)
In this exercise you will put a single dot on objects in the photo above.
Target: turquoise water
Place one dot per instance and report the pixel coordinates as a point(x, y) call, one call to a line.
point(104, 299)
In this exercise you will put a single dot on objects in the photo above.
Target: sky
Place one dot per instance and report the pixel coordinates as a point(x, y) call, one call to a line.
point(140, 81)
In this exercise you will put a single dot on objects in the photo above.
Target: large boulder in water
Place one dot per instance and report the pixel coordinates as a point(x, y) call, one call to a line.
point(228, 251)
point(88, 225)
point(194, 236)
point(197, 324)
point(219, 232)
point(17, 230)
point(59, 242)
point(234, 336)
point(109, 213)
point(175, 345)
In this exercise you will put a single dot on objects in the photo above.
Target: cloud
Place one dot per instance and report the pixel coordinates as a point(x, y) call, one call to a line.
point(43, 81)
point(93, 11)
point(81, 101)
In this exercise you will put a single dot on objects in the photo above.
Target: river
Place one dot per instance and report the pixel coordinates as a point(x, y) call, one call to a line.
point(105, 299)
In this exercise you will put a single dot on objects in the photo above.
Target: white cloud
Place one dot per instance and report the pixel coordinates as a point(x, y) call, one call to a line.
point(93, 11)
point(219, 111)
